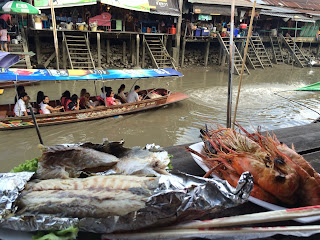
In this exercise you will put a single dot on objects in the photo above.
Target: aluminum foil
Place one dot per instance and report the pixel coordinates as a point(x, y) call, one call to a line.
point(179, 197)
point(11, 184)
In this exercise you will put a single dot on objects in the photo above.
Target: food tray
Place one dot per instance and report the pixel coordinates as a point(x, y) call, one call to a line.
point(198, 147)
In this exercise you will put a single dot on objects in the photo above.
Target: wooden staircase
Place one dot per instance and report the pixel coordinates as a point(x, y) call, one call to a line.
point(297, 55)
point(158, 52)
point(22, 47)
point(78, 50)
point(224, 41)
point(276, 50)
point(253, 57)
point(260, 50)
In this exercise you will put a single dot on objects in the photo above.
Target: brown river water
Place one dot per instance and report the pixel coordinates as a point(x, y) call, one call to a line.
point(178, 123)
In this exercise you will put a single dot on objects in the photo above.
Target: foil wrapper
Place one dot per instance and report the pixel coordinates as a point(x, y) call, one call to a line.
point(11, 184)
point(179, 197)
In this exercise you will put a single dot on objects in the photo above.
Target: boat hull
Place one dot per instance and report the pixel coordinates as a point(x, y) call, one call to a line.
point(11, 123)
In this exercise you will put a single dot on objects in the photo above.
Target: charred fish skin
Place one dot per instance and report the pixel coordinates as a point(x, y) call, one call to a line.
point(67, 162)
point(98, 196)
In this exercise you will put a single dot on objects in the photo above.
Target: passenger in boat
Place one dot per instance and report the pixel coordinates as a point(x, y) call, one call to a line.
point(133, 95)
point(46, 108)
point(83, 92)
point(65, 96)
point(110, 100)
point(20, 109)
point(121, 94)
point(73, 103)
point(87, 103)
point(20, 90)
point(40, 97)
point(102, 96)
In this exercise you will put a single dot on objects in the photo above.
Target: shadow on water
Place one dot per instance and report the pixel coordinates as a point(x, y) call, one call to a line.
point(178, 123)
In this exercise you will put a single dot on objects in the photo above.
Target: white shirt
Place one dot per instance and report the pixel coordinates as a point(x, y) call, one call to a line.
point(20, 108)
point(43, 107)
point(132, 97)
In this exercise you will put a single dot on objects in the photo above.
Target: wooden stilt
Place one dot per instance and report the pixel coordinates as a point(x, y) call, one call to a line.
point(318, 50)
point(55, 34)
point(132, 50)
point(143, 51)
point(99, 50)
point(220, 55)
point(183, 51)
point(25, 47)
point(38, 47)
point(206, 53)
point(64, 54)
point(108, 51)
point(138, 50)
point(223, 59)
point(124, 51)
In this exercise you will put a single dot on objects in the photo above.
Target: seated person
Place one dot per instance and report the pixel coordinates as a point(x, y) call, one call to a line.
point(64, 98)
point(20, 89)
point(46, 108)
point(86, 102)
point(110, 100)
point(73, 103)
point(40, 97)
point(121, 94)
point(20, 109)
point(133, 95)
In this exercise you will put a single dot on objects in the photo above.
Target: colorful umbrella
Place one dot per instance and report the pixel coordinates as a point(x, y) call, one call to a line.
point(18, 7)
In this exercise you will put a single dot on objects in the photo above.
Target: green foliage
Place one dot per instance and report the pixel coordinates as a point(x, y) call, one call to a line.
point(28, 166)
point(170, 167)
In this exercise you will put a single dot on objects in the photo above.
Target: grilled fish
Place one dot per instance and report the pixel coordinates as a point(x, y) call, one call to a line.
point(69, 161)
point(97, 196)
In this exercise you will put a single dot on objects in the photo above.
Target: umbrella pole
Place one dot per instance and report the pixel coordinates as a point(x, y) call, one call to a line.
point(55, 37)
point(231, 62)
point(35, 123)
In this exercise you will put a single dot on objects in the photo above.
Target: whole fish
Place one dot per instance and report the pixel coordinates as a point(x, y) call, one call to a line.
point(64, 161)
point(96, 196)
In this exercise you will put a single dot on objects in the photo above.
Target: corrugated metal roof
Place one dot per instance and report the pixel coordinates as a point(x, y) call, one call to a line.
point(295, 17)
point(239, 3)
point(300, 4)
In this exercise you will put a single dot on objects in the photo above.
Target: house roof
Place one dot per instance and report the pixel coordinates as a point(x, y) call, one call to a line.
point(299, 4)
point(238, 3)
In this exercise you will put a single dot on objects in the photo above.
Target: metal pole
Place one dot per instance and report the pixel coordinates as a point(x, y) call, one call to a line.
point(231, 62)
point(243, 63)
point(35, 122)
point(55, 37)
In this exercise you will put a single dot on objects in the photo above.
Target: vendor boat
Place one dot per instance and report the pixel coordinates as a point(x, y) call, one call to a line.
point(164, 96)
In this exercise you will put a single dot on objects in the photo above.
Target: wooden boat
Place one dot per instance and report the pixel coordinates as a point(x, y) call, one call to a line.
point(9, 122)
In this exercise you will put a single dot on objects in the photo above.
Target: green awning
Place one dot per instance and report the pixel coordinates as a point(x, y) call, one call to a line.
point(311, 87)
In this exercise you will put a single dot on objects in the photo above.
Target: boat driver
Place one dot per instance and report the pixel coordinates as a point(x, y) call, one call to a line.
point(133, 95)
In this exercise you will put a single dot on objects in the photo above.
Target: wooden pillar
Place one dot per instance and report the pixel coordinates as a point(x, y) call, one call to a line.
point(38, 47)
point(178, 35)
point(220, 55)
point(132, 50)
point(64, 54)
point(124, 52)
point(99, 50)
point(318, 50)
point(223, 60)
point(183, 51)
point(169, 46)
point(206, 53)
point(138, 50)
point(143, 52)
point(165, 40)
point(108, 51)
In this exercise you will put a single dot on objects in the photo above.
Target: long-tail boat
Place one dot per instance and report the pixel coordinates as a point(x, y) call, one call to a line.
point(8, 121)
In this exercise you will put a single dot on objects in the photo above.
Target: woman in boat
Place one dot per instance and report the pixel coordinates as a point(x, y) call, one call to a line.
point(121, 94)
point(65, 96)
point(110, 100)
point(73, 103)
point(83, 92)
point(87, 103)
point(40, 97)
point(20, 109)
point(46, 108)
